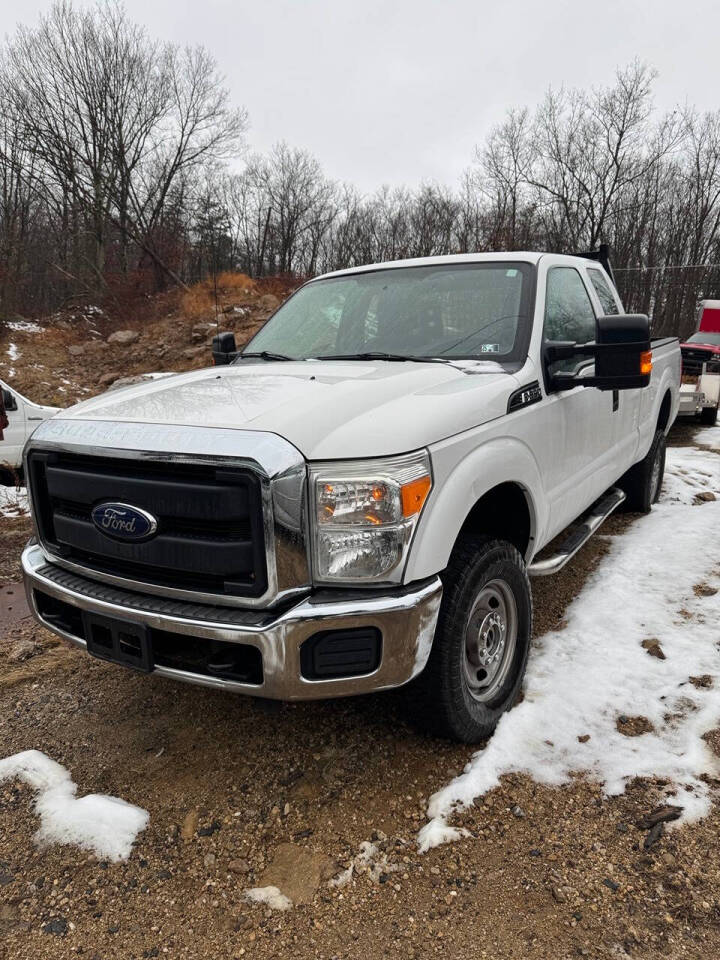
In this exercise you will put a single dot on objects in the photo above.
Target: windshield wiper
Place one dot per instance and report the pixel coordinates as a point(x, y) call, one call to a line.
point(264, 355)
point(378, 355)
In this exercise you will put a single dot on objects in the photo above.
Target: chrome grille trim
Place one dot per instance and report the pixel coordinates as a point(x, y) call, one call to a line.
point(279, 466)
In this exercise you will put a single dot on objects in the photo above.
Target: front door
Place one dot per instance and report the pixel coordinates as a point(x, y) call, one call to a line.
point(583, 415)
point(626, 403)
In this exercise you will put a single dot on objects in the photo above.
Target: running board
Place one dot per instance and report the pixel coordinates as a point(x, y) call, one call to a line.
point(596, 516)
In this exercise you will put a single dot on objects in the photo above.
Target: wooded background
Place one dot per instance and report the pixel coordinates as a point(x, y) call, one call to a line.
point(124, 169)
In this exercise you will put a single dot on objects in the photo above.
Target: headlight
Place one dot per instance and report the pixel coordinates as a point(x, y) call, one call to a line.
point(364, 516)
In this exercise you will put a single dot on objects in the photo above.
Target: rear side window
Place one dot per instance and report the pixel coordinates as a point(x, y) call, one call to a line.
point(602, 289)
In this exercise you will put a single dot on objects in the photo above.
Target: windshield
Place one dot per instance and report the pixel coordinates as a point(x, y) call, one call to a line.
point(713, 339)
point(477, 310)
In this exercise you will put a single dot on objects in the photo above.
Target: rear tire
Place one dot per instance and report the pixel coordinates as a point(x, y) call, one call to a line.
point(643, 482)
point(708, 416)
point(480, 651)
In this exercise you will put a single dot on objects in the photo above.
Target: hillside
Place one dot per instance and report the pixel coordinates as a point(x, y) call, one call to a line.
point(82, 350)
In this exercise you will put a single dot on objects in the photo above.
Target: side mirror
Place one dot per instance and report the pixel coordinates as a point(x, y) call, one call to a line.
point(9, 401)
point(622, 352)
point(624, 357)
point(224, 349)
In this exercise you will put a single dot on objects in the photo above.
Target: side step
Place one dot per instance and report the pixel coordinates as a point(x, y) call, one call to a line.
point(596, 516)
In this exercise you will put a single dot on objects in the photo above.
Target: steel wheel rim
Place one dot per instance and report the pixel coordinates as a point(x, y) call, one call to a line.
point(490, 640)
point(655, 476)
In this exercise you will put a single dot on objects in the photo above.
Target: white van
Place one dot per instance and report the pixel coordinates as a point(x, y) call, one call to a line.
point(23, 417)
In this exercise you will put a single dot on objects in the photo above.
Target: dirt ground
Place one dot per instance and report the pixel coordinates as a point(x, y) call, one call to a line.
point(245, 793)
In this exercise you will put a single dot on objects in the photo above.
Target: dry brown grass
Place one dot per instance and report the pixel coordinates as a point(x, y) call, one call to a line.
point(199, 301)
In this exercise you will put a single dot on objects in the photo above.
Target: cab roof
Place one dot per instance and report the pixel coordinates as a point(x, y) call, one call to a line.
point(500, 257)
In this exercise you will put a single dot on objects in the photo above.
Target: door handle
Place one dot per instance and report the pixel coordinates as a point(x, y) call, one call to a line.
point(616, 400)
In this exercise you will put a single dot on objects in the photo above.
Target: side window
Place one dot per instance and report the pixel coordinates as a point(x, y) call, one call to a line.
point(569, 313)
point(602, 289)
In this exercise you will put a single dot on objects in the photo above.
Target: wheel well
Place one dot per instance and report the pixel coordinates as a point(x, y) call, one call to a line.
point(502, 512)
point(664, 414)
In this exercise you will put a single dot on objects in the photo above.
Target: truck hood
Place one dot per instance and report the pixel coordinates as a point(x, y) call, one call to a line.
point(328, 409)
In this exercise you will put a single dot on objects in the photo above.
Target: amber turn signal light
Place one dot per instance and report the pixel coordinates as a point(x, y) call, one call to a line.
point(414, 495)
point(646, 362)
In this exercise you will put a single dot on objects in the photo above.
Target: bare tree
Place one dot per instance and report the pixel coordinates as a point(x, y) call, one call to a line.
point(115, 154)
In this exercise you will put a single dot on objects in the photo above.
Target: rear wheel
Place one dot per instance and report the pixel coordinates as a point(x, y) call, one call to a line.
point(481, 643)
point(708, 416)
point(643, 482)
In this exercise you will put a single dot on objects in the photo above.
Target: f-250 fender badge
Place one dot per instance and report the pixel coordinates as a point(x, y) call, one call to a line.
point(123, 521)
point(524, 396)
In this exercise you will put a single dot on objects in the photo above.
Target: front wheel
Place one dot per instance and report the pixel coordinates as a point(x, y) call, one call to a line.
point(481, 644)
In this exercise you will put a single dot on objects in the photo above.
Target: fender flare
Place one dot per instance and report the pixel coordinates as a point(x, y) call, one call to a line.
point(503, 460)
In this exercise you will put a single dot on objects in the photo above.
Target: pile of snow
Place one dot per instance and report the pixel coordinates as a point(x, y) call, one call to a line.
point(105, 825)
point(270, 896)
point(660, 580)
point(13, 502)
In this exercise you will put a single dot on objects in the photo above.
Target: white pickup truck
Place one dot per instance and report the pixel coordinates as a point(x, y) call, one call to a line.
point(357, 499)
point(22, 417)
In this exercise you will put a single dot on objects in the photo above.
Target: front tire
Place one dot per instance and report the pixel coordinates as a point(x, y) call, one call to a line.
point(481, 644)
point(643, 482)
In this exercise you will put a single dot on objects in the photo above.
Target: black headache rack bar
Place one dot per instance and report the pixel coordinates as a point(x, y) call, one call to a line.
point(601, 256)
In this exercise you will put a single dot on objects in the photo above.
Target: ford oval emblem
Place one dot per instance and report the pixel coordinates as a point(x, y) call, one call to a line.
point(123, 521)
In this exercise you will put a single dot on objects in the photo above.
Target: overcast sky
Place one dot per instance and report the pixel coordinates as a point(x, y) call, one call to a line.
point(402, 90)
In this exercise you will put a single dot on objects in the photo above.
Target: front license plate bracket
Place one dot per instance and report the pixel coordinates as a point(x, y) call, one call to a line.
point(118, 641)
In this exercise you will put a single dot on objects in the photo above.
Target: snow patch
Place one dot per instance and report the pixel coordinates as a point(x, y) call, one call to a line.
point(475, 366)
point(24, 326)
point(370, 860)
point(709, 437)
point(105, 825)
point(13, 352)
point(270, 896)
point(13, 502)
point(583, 678)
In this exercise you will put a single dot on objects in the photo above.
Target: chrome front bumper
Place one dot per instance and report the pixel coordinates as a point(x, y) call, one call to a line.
point(406, 618)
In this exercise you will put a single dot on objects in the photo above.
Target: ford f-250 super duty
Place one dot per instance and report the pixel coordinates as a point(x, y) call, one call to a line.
point(355, 502)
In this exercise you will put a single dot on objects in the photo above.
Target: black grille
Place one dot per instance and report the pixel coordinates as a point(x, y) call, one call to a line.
point(693, 360)
point(209, 538)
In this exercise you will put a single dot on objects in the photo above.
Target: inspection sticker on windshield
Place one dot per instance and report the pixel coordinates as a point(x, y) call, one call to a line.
point(511, 273)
